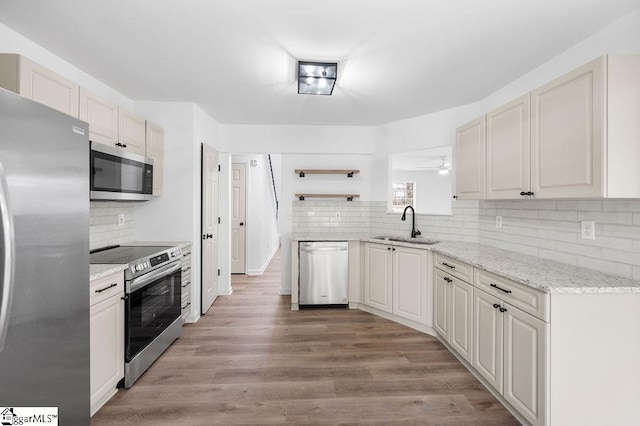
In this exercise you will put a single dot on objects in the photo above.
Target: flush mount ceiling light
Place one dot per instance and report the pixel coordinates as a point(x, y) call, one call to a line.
point(316, 78)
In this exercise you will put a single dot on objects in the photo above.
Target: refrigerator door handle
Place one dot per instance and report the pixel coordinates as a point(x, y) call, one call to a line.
point(7, 267)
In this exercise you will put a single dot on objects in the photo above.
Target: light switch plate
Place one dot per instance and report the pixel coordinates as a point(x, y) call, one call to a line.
point(498, 221)
point(588, 230)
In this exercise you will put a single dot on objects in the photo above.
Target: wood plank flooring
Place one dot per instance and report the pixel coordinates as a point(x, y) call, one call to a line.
point(251, 360)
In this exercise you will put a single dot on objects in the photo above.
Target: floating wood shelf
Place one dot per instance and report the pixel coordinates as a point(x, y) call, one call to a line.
point(303, 172)
point(349, 197)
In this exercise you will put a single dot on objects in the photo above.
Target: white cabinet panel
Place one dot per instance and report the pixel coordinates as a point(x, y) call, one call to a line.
point(155, 150)
point(441, 304)
point(470, 156)
point(487, 348)
point(410, 283)
point(508, 150)
point(525, 363)
point(567, 132)
point(102, 117)
point(131, 132)
point(378, 291)
point(461, 306)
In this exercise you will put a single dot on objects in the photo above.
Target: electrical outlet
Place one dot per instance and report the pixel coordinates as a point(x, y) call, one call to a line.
point(121, 220)
point(498, 221)
point(337, 215)
point(588, 230)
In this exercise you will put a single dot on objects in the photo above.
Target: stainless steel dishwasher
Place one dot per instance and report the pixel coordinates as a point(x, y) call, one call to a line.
point(324, 274)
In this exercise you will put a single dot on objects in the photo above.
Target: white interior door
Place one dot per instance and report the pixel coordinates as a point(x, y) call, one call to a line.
point(238, 218)
point(210, 209)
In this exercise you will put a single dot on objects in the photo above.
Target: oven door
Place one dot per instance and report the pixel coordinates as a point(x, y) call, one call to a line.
point(119, 175)
point(153, 304)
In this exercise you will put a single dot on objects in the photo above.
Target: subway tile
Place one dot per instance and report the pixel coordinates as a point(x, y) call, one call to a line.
point(582, 250)
point(621, 205)
point(528, 214)
point(621, 256)
point(540, 204)
point(570, 259)
point(569, 237)
point(582, 205)
point(617, 218)
point(606, 266)
point(569, 215)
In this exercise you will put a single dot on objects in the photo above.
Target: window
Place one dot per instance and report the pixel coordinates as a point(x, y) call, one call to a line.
point(403, 195)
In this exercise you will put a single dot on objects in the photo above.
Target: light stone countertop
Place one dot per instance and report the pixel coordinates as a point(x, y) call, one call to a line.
point(545, 275)
point(97, 271)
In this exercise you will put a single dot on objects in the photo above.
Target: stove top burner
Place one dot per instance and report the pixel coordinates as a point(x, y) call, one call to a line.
point(140, 259)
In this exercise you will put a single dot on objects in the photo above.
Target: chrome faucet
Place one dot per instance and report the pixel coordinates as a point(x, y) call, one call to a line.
point(414, 231)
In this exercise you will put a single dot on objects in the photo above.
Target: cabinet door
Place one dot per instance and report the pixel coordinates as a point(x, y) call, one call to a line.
point(377, 288)
point(487, 348)
point(131, 132)
point(461, 325)
point(102, 117)
point(441, 303)
point(508, 150)
point(107, 350)
point(155, 150)
point(525, 364)
point(410, 283)
point(48, 88)
point(470, 160)
point(567, 134)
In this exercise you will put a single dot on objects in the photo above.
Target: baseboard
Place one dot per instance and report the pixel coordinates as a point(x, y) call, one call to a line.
point(412, 324)
point(264, 266)
point(226, 292)
point(191, 319)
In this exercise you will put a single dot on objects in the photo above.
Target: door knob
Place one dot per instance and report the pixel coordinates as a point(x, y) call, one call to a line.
point(241, 223)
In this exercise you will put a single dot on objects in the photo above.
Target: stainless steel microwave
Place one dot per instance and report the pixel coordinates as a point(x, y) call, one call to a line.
point(118, 175)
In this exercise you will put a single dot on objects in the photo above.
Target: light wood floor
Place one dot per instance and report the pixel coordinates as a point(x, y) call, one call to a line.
point(251, 360)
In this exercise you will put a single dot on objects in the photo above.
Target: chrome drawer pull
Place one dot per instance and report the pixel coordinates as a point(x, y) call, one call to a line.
point(501, 289)
point(107, 288)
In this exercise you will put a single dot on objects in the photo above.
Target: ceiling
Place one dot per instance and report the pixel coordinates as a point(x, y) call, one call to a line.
point(236, 58)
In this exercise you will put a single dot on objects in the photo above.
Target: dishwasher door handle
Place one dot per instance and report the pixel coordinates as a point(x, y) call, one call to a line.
point(323, 249)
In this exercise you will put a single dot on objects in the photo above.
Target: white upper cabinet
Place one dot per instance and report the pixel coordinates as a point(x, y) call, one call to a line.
point(575, 137)
point(155, 150)
point(470, 155)
point(567, 134)
point(102, 117)
point(131, 132)
point(35, 82)
point(508, 150)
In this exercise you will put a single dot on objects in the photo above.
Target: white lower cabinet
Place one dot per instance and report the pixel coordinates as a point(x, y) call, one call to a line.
point(106, 338)
point(397, 281)
point(454, 312)
point(511, 354)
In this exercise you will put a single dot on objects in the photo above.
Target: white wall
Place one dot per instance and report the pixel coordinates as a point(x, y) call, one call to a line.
point(13, 42)
point(262, 239)
point(175, 216)
point(621, 37)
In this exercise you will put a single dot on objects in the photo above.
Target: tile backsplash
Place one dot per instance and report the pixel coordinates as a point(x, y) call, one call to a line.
point(547, 229)
point(103, 224)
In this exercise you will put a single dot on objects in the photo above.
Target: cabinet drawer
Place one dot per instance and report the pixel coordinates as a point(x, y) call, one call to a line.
point(525, 298)
point(103, 288)
point(457, 269)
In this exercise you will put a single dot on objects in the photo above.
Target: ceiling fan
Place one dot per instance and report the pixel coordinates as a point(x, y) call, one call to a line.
point(442, 169)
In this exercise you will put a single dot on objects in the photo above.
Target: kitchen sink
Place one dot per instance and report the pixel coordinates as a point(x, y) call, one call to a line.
point(425, 241)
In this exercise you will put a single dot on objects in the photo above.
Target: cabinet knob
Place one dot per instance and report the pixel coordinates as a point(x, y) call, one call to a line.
point(388, 248)
point(393, 249)
point(503, 309)
point(455, 196)
point(496, 306)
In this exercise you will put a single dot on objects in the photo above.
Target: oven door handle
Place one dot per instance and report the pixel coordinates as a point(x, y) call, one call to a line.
point(147, 279)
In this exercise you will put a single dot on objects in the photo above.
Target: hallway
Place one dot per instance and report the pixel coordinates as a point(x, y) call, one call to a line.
point(251, 360)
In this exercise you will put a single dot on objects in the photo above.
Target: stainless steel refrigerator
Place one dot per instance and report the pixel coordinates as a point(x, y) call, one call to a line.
point(44, 259)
